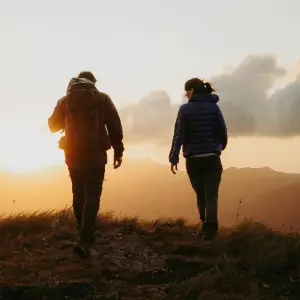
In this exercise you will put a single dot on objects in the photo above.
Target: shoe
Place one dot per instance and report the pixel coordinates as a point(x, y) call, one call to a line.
point(210, 231)
point(82, 249)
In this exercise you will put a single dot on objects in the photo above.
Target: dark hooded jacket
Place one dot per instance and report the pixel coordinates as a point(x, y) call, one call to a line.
point(200, 128)
point(110, 128)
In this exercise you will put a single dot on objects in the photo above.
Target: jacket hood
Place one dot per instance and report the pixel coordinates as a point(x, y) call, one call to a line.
point(80, 82)
point(211, 98)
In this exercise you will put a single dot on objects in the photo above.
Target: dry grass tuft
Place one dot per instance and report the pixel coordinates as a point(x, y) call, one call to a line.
point(163, 259)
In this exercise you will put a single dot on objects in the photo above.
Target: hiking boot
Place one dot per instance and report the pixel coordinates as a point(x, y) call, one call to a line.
point(82, 249)
point(210, 231)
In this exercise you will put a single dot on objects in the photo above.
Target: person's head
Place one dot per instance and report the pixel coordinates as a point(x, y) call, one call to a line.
point(87, 75)
point(196, 86)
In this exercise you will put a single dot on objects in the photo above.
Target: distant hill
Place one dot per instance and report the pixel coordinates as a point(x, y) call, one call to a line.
point(255, 187)
point(149, 190)
point(278, 207)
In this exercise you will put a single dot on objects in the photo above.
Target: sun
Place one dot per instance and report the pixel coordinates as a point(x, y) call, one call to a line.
point(25, 150)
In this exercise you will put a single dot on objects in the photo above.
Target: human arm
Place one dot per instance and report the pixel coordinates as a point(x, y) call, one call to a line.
point(56, 121)
point(177, 140)
point(115, 131)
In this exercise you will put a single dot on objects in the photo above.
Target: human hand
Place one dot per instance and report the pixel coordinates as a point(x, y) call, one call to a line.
point(173, 168)
point(117, 162)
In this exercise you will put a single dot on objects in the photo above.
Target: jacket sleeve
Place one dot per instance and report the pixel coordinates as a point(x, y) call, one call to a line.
point(177, 138)
point(56, 122)
point(114, 128)
point(221, 129)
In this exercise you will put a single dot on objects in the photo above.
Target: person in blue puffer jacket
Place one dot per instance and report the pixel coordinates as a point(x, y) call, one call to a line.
point(201, 130)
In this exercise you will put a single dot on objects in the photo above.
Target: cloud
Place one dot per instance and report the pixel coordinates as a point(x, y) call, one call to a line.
point(248, 106)
point(150, 119)
point(244, 92)
point(285, 111)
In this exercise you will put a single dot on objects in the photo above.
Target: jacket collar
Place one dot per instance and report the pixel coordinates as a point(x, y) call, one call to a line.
point(212, 98)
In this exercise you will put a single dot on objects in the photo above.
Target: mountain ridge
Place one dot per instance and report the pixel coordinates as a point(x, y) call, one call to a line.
point(149, 190)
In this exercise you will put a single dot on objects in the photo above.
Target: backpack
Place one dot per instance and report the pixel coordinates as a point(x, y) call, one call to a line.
point(82, 121)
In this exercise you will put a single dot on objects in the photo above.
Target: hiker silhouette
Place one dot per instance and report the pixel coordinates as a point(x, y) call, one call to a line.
point(91, 126)
point(201, 130)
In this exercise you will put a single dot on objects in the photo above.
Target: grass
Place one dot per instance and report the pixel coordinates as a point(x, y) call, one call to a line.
point(163, 259)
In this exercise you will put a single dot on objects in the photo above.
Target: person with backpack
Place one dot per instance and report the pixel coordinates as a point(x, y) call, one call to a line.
point(201, 130)
point(92, 126)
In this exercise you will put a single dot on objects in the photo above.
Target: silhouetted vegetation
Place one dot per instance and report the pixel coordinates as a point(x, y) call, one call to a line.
point(163, 259)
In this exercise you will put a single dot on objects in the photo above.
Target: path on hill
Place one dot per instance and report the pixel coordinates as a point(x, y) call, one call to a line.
point(159, 261)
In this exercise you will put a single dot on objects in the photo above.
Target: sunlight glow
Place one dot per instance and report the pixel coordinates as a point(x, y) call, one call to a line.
point(26, 150)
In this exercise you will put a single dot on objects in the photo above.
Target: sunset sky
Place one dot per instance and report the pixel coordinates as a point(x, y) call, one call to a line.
point(142, 52)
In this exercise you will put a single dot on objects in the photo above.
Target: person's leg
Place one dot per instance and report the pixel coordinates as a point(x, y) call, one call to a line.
point(93, 190)
point(78, 190)
point(197, 180)
point(213, 179)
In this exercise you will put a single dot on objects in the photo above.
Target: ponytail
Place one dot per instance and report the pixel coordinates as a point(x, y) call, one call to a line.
point(209, 88)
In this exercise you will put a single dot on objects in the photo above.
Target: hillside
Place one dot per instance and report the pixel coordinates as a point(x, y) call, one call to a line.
point(149, 190)
point(259, 190)
point(145, 260)
point(280, 204)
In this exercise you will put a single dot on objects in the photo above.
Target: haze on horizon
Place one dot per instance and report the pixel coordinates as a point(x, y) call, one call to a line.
point(142, 53)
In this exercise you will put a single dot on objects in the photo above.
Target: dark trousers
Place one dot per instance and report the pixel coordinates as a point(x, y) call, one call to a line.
point(205, 175)
point(87, 189)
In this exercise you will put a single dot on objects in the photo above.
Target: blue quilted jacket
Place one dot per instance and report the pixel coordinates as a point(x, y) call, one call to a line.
point(200, 128)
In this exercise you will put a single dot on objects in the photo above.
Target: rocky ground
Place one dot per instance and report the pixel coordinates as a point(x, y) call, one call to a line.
point(138, 260)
